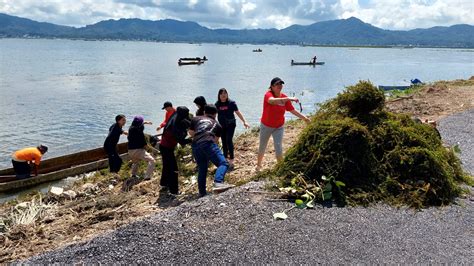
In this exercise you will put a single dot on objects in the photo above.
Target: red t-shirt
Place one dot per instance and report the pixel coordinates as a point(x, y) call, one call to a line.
point(274, 115)
point(167, 117)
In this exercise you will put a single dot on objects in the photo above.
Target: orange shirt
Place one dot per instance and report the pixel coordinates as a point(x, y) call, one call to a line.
point(28, 154)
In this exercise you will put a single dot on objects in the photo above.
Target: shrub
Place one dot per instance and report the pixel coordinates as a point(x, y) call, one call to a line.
point(377, 154)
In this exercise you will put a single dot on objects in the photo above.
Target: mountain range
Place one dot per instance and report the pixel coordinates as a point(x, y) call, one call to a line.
point(345, 32)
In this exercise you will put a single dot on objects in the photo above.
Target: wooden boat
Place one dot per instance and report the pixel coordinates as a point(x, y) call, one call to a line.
point(60, 167)
point(193, 59)
point(293, 63)
point(181, 63)
point(391, 88)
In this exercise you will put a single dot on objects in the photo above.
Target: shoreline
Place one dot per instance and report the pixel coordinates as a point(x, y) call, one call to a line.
point(252, 44)
point(99, 208)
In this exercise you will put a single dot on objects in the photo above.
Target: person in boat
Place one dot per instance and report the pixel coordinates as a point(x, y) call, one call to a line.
point(200, 102)
point(204, 58)
point(22, 159)
point(313, 61)
point(110, 143)
point(205, 131)
point(275, 104)
point(174, 132)
point(225, 115)
point(168, 107)
point(136, 147)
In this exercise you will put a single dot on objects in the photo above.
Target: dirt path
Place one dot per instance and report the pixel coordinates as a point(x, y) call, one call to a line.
point(101, 207)
point(436, 101)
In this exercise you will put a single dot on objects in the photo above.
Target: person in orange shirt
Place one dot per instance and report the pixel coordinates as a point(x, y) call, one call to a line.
point(21, 160)
point(168, 106)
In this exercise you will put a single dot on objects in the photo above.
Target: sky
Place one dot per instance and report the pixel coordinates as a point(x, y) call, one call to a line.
point(239, 14)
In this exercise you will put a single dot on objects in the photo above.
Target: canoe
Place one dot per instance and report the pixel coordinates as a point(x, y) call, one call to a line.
point(391, 88)
point(190, 63)
point(306, 64)
point(257, 51)
point(60, 167)
point(192, 59)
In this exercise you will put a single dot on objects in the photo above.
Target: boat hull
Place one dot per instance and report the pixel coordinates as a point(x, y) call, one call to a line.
point(190, 63)
point(60, 167)
point(306, 64)
point(391, 88)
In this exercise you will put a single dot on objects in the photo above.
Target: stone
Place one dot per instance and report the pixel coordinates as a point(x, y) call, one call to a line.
point(70, 194)
point(89, 187)
point(22, 205)
point(57, 191)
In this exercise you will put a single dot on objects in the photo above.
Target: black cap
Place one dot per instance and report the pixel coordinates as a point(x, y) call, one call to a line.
point(167, 104)
point(276, 81)
point(42, 148)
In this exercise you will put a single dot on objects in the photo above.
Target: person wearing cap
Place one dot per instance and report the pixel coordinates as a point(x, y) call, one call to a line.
point(110, 143)
point(21, 160)
point(200, 102)
point(168, 107)
point(136, 147)
point(275, 104)
point(205, 131)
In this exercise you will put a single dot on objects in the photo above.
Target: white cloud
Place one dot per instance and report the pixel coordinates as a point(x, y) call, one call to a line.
point(388, 14)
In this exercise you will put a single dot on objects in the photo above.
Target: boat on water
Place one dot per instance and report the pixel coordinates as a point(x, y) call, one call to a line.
point(184, 63)
point(293, 63)
point(193, 59)
point(413, 83)
point(257, 50)
point(60, 167)
point(391, 88)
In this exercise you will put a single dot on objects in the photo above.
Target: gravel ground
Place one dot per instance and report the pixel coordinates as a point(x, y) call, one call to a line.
point(237, 227)
point(459, 129)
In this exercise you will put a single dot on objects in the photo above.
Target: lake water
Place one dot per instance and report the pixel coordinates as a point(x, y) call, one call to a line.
point(65, 94)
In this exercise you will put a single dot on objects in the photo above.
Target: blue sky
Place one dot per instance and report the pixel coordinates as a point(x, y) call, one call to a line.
point(238, 14)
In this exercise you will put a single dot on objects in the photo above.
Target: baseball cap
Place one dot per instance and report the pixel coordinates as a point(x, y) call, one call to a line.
point(276, 81)
point(166, 105)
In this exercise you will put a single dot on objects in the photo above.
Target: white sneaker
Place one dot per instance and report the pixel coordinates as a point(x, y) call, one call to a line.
point(221, 187)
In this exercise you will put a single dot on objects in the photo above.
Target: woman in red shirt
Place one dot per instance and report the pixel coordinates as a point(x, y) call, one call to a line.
point(275, 104)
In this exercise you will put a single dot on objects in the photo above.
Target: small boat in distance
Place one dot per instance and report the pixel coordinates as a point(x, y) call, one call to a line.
point(414, 83)
point(193, 58)
point(293, 63)
point(257, 50)
point(184, 63)
point(391, 88)
point(191, 61)
point(60, 167)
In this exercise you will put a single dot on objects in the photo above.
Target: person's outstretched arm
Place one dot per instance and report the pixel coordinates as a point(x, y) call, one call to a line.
point(300, 115)
point(239, 114)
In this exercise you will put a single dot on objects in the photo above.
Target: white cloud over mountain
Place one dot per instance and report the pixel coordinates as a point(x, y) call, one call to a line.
point(387, 14)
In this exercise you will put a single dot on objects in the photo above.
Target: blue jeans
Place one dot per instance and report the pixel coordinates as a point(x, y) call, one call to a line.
point(203, 153)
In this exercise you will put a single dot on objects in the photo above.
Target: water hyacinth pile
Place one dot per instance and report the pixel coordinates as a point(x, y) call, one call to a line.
point(378, 155)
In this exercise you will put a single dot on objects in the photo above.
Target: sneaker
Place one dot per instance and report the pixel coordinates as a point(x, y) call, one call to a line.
point(221, 187)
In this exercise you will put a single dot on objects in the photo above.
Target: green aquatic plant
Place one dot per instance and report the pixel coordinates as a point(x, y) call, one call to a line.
point(377, 155)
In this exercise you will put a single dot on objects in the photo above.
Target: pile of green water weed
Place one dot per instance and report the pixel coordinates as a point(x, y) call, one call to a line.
point(378, 155)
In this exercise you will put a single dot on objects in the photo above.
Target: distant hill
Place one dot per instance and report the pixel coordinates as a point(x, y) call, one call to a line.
point(351, 31)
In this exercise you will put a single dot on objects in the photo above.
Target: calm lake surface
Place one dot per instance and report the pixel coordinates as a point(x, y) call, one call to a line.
point(65, 94)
